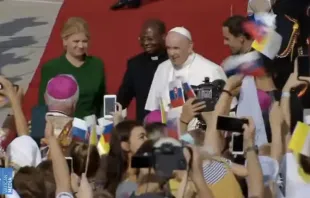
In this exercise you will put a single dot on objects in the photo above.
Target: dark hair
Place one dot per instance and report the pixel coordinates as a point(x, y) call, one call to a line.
point(305, 163)
point(29, 183)
point(235, 26)
point(78, 152)
point(46, 169)
point(146, 147)
point(157, 24)
point(156, 129)
point(117, 158)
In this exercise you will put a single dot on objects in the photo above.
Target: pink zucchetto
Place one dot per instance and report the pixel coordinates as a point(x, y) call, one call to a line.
point(153, 116)
point(62, 87)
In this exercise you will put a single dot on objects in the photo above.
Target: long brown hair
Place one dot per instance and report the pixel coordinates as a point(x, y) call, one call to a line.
point(117, 158)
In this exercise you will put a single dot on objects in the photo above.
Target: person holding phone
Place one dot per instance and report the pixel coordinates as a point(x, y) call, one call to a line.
point(87, 70)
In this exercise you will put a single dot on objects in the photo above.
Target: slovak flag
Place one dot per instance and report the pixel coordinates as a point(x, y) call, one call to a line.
point(188, 90)
point(249, 64)
point(176, 94)
point(79, 130)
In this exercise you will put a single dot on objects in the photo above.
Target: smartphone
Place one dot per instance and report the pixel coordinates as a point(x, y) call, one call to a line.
point(38, 122)
point(231, 124)
point(237, 144)
point(70, 163)
point(303, 66)
point(109, 105)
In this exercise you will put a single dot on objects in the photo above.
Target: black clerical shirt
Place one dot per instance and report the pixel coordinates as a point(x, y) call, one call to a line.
point(138, 79)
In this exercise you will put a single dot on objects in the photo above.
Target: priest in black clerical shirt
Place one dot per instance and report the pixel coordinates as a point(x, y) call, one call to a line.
point(142, 67)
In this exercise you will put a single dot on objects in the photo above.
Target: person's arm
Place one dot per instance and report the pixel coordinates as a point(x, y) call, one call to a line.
point(12, 95)
point(19, 117)
point(276, 123)
point(255, 173)
point(60, 167)
point(196, 174)
point(213, 137)
point(126, 91)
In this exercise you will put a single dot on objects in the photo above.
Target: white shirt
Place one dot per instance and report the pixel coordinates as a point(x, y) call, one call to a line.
point(295, 187)
point(194, 71)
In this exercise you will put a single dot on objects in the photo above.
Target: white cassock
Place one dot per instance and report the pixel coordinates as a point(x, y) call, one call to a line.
point(194, 71)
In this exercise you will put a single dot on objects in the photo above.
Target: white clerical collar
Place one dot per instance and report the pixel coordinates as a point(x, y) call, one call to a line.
point(154, 58)
point(56, 113)
point(188, 62)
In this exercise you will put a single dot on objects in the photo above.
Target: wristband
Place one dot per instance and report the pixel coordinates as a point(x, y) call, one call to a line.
point(285, 94)
point(184, 122)
point(251, 148)
point(228, 92)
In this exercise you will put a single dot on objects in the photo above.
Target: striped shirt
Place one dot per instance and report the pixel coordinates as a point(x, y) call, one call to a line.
point(214, 171)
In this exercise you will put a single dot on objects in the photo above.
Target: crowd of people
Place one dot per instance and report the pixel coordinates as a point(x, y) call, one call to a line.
point(73, 85)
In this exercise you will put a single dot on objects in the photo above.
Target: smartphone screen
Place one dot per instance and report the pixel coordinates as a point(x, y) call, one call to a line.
point(38, 122)
point(109, 105)
point(237, 142)
point(70, 163)
point(303, 66)
point(230, 124)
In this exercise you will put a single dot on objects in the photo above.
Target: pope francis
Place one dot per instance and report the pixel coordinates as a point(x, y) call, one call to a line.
point(183, 63)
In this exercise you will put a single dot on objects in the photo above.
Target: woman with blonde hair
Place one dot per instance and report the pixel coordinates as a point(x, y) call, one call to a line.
point(87, 70)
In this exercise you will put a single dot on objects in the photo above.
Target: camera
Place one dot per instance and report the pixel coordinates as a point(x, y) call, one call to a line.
point(165, 157)
point(209, 92)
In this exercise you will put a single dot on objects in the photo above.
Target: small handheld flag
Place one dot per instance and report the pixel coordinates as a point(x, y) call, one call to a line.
point(300, 141)
point(176, 94)
point(79, 129)
point(248, 64)
point(103, 146)
point(262, 28)
point(162, 111)
point(188, 90)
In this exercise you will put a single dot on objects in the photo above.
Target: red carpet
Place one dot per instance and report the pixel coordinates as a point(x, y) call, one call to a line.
point(114, 35)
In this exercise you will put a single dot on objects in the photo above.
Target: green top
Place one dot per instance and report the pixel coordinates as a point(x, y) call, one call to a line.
point(90, 78)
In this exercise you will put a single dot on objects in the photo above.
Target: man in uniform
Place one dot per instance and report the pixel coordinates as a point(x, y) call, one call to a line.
point(141, 68)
